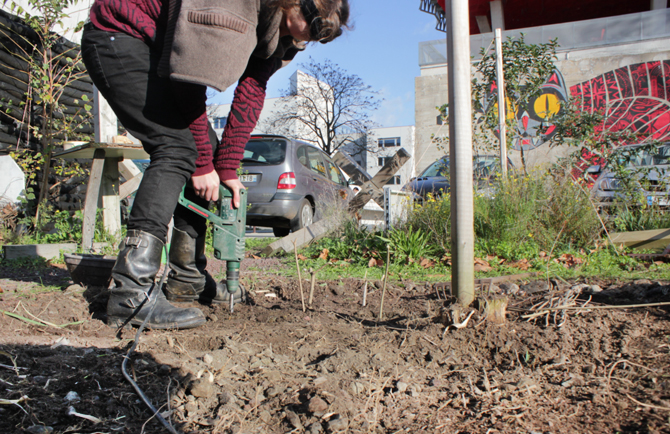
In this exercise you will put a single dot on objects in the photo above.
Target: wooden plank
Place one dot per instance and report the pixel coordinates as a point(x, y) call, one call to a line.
point(657, 239)
point(47, 251)
point(301, 237)
point(91, 202)
point(129, 187)
point(357, 175)
point(128, 169)
point(373, 189)
point(111, 208)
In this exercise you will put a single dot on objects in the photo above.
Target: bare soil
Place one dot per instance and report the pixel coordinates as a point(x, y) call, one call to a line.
point(271, 368)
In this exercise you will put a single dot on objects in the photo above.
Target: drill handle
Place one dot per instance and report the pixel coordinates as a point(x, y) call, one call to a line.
point(223, 192)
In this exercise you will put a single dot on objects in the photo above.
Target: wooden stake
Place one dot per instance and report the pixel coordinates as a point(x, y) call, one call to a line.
point(386, 275)
point(311, 288)
point(297, 265)
point(365, 288)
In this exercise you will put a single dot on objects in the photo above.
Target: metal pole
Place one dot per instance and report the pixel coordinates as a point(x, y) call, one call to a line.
point(460, 149)
point(502, 106)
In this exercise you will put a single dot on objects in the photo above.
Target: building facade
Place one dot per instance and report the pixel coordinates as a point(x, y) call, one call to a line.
point(616, 65)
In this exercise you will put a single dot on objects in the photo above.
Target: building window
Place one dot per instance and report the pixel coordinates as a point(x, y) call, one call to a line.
point(219, 122)
point(382, 160)
point(389, 142)
point(439, 120)
point(394, 181)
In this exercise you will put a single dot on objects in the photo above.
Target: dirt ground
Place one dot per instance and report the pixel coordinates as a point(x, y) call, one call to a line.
point(271, 368)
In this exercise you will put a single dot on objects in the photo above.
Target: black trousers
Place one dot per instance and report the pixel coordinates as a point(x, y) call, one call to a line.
point(123, 68)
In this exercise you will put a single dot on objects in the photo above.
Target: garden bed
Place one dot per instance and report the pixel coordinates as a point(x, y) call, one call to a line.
point(272, 368)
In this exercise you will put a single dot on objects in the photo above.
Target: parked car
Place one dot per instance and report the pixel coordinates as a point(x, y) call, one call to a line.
point(435, 178)
point(649, 165)
point(289, 183)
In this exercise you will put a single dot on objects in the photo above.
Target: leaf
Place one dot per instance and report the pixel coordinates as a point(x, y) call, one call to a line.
point(521, 264)
point(375, 262)
point(482, 265)
point(302, 257)
point(427, 263)
point(324, 254)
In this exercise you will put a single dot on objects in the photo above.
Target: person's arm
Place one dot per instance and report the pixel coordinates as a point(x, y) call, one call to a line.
point(244, 112)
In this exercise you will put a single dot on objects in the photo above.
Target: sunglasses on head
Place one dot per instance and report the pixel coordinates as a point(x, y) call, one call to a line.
point(311, 14)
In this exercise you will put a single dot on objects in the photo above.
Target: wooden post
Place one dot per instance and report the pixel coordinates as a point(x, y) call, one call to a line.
point(111, 209)
point(502, 104)
point(460, 149)
point(92, 196)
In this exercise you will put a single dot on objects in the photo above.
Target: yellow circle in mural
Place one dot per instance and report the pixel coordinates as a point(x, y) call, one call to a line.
point(547, 105)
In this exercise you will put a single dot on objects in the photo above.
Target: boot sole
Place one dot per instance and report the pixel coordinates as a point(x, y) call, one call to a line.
point(118, 322)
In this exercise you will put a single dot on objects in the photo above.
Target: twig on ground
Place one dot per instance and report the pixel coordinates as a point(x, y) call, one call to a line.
point(386, 275)
point(365, 289)
point(16, 402)
point(311, 287)
point(656, 407)
point(72, 412)
point(297, 265)
point(458, 325)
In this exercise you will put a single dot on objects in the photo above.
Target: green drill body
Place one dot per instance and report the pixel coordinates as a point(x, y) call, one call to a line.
point(228, 233)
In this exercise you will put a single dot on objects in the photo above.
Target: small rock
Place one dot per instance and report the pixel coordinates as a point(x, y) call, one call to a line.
point(594, 289)
point(207, 358)
point(40, 429)
point(271, 392)
point(315, 428)
point(294, 419)
point(317, 405)
point(164, 370)
point(226, 398)
point(265, 416)
point(357, 388)
point(74, 288)
point(72, 397)
point(213, 318)
point(526, 382)
point(401, 386)
point(202, 388)
point(338, 424)
point(191, 407)
point(509, 288)
point(320, 380)
point(337, 290)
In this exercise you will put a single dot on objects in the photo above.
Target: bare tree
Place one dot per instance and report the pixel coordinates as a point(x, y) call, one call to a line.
point(325, 106)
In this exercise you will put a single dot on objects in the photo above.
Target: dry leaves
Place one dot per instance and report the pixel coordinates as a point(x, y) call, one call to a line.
point(482, 265)
point(324, 254)
point(521, 264)
point(302, 257)
point(427, 263)
point(568, 260)
point(375, 262)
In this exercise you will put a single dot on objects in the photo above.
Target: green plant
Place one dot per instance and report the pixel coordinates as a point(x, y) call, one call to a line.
point(408, 244)
point(51, 67)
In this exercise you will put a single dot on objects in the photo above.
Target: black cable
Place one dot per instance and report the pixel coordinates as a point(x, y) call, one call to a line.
point(151, 298)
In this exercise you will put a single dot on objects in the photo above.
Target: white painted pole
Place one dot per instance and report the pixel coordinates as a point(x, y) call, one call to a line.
point(460, 150)
point(502, 106)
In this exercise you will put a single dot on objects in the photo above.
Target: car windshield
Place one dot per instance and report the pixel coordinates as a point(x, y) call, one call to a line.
point(264, 152)
point(634, 157)
point(438, 168)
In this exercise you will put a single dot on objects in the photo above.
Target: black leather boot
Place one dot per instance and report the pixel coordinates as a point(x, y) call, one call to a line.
point(133, 274)
point(188, 280)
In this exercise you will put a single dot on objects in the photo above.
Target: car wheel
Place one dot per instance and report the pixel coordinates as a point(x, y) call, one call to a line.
point(305, 216)
point(281, 232)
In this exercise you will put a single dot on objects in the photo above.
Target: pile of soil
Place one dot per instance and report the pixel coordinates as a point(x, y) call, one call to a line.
point(271, 367)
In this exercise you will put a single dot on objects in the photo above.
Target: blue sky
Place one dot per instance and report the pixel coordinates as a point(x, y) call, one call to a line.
point(382, 49)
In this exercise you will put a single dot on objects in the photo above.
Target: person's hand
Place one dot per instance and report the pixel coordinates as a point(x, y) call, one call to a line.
point(207, 186)
point(235, 185)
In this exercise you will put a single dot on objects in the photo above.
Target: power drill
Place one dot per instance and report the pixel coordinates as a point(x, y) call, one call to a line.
point(228, 235)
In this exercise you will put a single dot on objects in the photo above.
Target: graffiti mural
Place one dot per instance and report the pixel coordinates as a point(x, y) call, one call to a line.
point(532, 126)
point(635, 98)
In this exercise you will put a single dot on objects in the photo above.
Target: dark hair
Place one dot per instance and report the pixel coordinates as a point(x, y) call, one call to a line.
point(332, 16)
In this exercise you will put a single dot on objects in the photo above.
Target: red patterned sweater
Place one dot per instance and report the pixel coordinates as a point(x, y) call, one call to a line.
point(145, 19)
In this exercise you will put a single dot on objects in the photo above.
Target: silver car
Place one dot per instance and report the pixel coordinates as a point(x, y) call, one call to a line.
point(289, 183)
point(649, 168)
